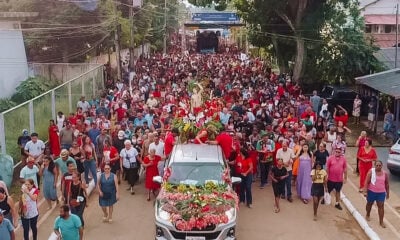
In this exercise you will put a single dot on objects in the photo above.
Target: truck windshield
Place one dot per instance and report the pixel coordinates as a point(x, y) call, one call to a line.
point(195, 173)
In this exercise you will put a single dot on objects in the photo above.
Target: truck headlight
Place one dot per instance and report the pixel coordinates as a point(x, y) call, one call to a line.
point(231, 214)
point(164, 215)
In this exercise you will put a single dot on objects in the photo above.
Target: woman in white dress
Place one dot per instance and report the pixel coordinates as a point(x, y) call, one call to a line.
point(330, 136)
point(60, 120)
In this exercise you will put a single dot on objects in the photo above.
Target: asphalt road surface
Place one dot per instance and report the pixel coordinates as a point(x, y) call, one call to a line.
point(134, 220)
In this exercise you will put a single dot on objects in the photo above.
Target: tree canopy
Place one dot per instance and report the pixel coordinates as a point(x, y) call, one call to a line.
point(323, 39)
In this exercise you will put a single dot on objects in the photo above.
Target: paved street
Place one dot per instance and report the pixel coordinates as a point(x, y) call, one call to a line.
point(134, 219)
point(134, 216)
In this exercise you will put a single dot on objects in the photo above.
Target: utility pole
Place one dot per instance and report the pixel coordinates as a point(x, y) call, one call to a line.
point(183, 38)
point(165, 27)
point(132, 39)
point(397, 36)
point(118, 50)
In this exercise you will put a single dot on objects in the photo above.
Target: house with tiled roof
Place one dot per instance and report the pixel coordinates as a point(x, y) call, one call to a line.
point(380, 21)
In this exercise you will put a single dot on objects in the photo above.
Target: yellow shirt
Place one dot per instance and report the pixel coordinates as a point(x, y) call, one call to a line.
point(320, 175)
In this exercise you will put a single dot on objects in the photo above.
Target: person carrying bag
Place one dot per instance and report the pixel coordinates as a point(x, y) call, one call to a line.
point(77, 196)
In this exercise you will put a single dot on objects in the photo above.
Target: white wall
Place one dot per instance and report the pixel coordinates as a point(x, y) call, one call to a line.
point(13, 62)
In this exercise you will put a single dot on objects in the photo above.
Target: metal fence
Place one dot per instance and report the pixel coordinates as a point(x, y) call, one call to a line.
point(35, 114)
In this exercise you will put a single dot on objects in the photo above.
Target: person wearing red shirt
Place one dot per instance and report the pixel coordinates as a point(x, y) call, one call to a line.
point(111, 157)
point(225, 140)
point(169, 141)
point(342, 116)
point(281, 90)
point(244, 168)
point(150, 162)
point(66, 181)
point(157, 93)
point(121, 111)
point(309, 112)
point(254, 101)
point(366, 156)
point(72, 118)
point(278, 145)
point(336, 167)
point(201, 137)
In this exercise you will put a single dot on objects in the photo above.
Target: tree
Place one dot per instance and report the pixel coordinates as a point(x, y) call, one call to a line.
point(290, 17)
point(345, 53)
point(296, 31)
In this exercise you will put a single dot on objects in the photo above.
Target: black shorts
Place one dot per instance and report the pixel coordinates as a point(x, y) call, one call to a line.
point(115, 166)
point(279, 188)
point(334, 185)
point(317, 190)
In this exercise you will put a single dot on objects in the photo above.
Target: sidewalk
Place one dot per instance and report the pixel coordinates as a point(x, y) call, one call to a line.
point(377, 140)
point(392, 205)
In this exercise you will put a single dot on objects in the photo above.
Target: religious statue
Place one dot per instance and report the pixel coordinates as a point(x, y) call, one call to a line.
point(196, 100)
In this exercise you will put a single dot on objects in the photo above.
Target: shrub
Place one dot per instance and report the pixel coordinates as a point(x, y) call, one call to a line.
point(6, 104)
point(30, 88)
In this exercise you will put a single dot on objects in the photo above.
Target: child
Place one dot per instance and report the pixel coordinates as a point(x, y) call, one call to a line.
point(319, 179)
point(278, 175)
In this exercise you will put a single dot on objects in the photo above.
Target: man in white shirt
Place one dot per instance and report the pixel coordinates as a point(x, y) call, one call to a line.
point(159, 147)
point(152, 102)
point(224, 116)
point(30, 171)
point(82, 103)
point(35, 148)
point(287, 155)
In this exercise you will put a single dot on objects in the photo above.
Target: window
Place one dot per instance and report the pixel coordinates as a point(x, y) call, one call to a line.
point(368, 28)
point(375, 29)
point(389, 28)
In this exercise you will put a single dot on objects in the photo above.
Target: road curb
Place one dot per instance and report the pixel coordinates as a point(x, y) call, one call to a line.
point(359, 218)
point(90, 189)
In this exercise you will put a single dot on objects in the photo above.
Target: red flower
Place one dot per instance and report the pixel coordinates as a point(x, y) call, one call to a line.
point(206, 208)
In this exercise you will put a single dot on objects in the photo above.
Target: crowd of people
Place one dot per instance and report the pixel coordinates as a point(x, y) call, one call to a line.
point(271, 133)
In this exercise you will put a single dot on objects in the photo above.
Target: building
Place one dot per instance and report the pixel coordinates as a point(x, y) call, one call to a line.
point(13, 62)
point(380, 21)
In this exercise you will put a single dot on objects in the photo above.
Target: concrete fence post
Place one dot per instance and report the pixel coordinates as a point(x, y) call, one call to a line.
point(93, 85)
point(31, 117)
point(84, 79)
point(3, 135)
point(53, 105)
point(69, 97)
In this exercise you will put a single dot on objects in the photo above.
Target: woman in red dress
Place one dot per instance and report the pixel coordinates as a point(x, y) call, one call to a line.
point(202, 136)
point(54, 140)
point(150, 162)
point(366, 155)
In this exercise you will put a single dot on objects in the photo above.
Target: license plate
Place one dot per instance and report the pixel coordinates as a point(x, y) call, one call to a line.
point(195, 238)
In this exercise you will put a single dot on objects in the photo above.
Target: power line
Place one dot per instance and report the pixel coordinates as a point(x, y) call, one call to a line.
point(79, 53)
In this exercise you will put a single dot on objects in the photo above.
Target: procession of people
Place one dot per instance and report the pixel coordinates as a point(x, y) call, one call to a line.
point(269, 132)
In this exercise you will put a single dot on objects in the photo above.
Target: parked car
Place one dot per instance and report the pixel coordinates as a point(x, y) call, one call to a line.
point(196, 201)
point(344, 96)
point(393, 162)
